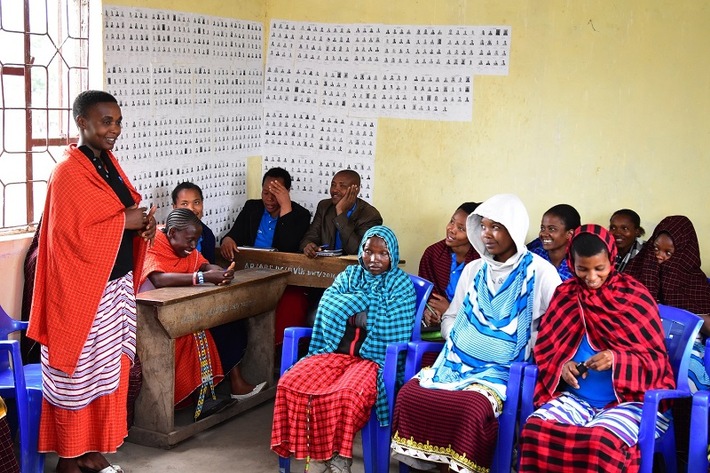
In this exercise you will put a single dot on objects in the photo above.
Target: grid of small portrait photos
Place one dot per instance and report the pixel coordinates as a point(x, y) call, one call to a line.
point(197, 98)
point(326, 85)
point(190, 89)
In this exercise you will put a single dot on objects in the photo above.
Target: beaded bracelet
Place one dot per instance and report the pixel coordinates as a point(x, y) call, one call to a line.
point(200, 277)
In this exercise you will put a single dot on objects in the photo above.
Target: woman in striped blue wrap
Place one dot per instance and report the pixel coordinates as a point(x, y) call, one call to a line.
point(491, 322)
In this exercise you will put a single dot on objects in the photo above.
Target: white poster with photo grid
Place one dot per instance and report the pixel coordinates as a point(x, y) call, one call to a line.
point(326, 84)
point(198, 98)
point(190, 88)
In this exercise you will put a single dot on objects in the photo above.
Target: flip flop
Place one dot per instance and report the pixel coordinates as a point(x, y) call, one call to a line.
point(108, 469)
point(211, 408)
point(257, 389)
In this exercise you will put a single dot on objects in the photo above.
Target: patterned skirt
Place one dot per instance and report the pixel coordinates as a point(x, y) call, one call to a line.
point(320, 404)
point(568, 431)
point(86, 412)
point(552, 447)
point(196, 363)
point(8, 461)
point(99, 427)
point(455, 428)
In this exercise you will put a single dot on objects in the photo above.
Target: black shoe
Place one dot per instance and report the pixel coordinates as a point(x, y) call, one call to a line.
point(212, 406)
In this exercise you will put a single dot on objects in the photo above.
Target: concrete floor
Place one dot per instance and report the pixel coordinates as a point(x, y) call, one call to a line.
point(239, 445)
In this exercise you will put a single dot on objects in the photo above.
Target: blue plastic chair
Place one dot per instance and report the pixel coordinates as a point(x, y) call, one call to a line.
point(699, 418)
point(502, 457)
point(12, 373)
point(30, 459)
point(680, 328)
point(376, 459)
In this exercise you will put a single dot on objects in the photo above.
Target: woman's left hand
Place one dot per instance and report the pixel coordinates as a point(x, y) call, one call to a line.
point(602, 361)
point(149, 226)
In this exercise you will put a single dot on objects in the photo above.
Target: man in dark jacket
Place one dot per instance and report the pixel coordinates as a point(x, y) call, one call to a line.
point(273, 221)
point(342, 220)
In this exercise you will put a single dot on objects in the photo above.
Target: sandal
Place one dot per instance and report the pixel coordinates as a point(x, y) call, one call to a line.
point(108, 469)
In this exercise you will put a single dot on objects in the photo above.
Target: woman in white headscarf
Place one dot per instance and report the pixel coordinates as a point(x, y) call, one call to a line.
point(492, 322)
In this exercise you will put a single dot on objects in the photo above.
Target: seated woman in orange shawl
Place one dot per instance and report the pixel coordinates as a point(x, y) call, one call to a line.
point(174, 261)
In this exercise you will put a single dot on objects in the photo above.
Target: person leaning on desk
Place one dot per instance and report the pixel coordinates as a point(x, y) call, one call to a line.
point(273, 221)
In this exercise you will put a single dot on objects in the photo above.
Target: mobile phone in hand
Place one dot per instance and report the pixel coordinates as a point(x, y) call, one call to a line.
point(582, 368)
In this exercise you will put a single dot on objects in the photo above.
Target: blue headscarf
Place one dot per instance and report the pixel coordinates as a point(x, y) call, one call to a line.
point(389, 300)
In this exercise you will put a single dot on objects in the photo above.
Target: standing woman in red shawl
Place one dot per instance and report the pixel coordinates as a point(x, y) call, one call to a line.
point(600, 348)
point(669, 266)
point(91, 247)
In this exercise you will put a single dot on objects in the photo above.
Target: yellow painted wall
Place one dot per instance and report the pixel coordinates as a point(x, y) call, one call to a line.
point(607, 105)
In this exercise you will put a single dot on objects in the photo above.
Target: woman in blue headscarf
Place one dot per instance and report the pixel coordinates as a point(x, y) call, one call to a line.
point(325, 398)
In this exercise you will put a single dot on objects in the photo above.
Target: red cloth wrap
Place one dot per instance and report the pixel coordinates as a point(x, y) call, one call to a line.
point(620, 316)
point(82, 227)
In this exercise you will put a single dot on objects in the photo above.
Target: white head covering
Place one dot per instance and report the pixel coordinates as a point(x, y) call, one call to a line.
point(508, 210)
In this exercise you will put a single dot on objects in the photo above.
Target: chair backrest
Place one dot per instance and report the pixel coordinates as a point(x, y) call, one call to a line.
point(681, 327)
point(423, 289)
point(9, 325)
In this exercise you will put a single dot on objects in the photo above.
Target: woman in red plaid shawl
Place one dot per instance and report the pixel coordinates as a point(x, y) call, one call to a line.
point(669, 266)
point(324, 399)
point(607, 323)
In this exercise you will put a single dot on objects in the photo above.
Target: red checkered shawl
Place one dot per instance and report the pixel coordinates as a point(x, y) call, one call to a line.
point(620, 316)
point(679, 281)
point(82, 227)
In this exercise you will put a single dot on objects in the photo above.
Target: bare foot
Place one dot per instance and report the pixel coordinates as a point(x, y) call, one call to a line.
point(237, 384)
point(92, 461)
point(67, 465)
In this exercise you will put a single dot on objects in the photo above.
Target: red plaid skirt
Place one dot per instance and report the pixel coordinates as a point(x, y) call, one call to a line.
point(457, 428)
point(320, 404)
point(552, 447)
point(8, 461)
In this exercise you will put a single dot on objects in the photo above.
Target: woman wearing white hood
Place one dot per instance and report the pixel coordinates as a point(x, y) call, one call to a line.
point(492, 321)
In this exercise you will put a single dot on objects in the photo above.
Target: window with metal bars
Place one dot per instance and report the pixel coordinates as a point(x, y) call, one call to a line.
point(44, 64)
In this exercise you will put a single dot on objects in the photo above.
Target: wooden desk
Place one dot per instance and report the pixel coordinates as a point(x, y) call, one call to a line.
point(167, 313)
point(305, 271)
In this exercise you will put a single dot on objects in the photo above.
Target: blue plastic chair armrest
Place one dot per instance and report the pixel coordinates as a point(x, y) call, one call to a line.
point(647, 430)
point(506, 421)
point(527, 406)
point(414, 356)
point(697, 451)
point(513, 390)
point(12, 347)
point(289, 351)
point(390, 371)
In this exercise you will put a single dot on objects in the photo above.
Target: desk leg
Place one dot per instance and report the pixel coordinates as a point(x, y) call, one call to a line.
point(154, 407)
point(258, 362)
